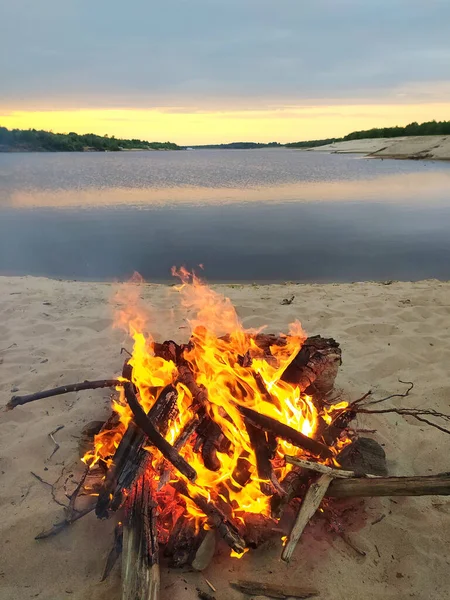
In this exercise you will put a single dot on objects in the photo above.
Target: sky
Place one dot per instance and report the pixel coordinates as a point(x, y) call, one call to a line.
point(205, 71)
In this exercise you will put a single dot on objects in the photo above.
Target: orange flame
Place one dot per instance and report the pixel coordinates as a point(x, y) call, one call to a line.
point(218, 344)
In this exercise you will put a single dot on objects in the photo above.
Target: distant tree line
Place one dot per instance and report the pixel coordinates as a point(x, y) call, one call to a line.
point(46, 141)
point(428, 128)
point(312, 143)
point(237, 146)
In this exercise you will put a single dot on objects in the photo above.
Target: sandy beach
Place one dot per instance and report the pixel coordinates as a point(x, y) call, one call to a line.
point(56, 332)
point(430, 147)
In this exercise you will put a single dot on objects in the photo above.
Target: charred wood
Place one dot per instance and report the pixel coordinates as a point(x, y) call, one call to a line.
point(144, 423)
point(258, 441)
point(140, 555)
point(285, 432)
point(224, 526)
point(64, 389)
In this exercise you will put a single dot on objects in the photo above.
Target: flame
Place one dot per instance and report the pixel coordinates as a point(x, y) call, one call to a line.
point(216, 356)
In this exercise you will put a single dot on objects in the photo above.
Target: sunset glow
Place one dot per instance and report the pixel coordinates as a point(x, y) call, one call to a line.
point(186, 127)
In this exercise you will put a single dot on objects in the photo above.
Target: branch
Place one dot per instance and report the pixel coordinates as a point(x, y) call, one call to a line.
point(411, 385)
point(309, 505)
point(416, 413)
point(323, 469)
point(73, 387)
point(285, 432)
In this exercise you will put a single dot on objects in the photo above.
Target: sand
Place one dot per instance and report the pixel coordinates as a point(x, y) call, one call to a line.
point(55, 332)
point(431, 147)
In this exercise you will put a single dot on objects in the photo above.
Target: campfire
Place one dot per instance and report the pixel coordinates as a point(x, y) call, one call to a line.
point(210, 441)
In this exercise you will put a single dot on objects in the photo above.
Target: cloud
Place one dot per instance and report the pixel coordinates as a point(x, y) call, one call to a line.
point(199, 53)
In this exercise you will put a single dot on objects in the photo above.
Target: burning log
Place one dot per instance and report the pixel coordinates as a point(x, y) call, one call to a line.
point(225, 527)
point(140, 555)
point(285, 432)
point(181, 440)
point(187, 546)
point(242, 472)
point(258, 529)
point(144, 423)
point(213, 440)
point(262, 450)
point(130, 454)
point(317, 362)
point(124, 457)
point(292, 484)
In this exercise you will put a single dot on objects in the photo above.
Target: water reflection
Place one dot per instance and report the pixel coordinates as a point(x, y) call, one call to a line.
point(298, 221)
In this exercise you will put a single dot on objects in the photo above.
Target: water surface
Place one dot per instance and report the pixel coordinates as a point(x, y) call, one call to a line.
point(248, 215)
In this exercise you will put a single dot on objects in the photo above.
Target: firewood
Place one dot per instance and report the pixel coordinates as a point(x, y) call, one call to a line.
point(364, 455)
point(224, 526)
point(126, 453)
point(205, 552)
point(323, 469)
point(144, 423)
point(285, 432)
point(182, 542)
point(309, 505)
point(293, 485)
point(243, 470)
point(64, 389)
point(183, 437)
point(257, 588)
point(258, 440)
point(130, 454)
point(213, 440)
point(317, 362)
point(199, 393)
point(140, 553)
point(189, 546)
point(258, 529)
point(428, 485)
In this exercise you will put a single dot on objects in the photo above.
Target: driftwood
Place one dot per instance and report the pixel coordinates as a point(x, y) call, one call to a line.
point(257, 588)
point(428, 485)
point(308, 507)
point(323, 469)
point(64, 389)
point(140, 554)
point(285, 432)
point(144, 423)
point(292, 484)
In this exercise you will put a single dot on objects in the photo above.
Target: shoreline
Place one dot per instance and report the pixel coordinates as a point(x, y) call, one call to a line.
point(427, 147)
point(170, 283)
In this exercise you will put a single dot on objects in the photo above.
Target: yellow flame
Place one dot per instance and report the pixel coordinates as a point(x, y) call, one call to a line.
point(215, 356)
